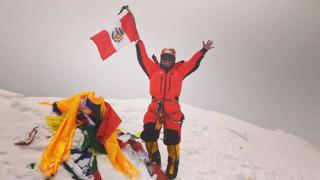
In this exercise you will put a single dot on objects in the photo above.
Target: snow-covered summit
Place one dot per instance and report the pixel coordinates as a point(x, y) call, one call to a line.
point(214, 145)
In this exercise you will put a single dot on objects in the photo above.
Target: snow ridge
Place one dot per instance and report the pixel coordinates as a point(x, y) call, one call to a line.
point(214, 145)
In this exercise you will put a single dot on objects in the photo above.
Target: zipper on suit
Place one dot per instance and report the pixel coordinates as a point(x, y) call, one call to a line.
point(165, 88)
point(161, 83)
point(169, 82)
point(165, 85)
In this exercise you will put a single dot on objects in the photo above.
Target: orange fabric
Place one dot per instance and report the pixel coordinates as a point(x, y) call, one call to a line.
point(59, 148)
point(118, 159)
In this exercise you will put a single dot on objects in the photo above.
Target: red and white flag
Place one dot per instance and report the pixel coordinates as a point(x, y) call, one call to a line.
point(110, 41)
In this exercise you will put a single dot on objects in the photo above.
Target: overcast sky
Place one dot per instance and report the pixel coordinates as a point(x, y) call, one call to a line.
point(265, 68)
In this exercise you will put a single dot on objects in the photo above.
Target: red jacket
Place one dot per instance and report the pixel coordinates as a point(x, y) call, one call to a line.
point(166, 85)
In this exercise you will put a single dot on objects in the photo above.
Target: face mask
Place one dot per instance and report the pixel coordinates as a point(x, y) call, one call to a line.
point(167, 61)
point(166, 64)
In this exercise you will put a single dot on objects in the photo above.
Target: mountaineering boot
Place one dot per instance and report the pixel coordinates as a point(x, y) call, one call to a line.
point(173, 161)
point(153, 151)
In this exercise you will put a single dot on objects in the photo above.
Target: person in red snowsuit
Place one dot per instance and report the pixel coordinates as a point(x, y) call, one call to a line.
point(164, 110)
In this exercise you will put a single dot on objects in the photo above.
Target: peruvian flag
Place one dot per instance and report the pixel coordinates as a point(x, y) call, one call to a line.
point(110, 41)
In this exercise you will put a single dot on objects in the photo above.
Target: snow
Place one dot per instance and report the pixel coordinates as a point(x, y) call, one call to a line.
point(214, 145)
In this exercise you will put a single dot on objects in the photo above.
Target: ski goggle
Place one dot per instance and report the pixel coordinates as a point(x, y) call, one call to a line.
point(169, 57)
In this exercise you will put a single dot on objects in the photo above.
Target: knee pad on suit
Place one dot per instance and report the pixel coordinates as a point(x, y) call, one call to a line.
point(149, 132)
point(171, 137)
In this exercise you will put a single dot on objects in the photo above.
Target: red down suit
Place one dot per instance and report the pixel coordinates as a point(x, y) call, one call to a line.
point(165, 86)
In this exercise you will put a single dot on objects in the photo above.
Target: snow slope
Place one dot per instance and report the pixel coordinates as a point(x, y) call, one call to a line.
point(214, 146)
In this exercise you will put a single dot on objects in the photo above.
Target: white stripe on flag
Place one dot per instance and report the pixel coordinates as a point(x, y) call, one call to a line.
point(121, 42)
